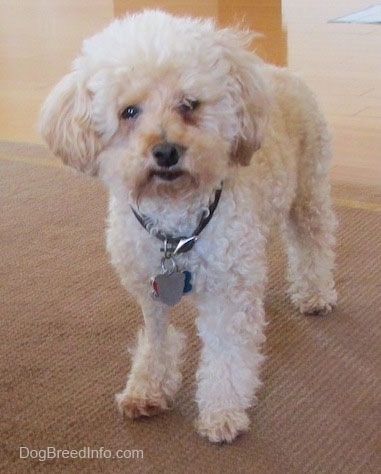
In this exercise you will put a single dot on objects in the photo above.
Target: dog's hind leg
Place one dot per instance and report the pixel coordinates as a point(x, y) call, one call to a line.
point(309, 237)
point(155, 375)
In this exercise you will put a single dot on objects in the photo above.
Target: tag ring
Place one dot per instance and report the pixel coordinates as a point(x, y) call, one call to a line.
point(168, 269)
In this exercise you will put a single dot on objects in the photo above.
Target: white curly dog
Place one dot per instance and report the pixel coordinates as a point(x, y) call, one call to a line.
point(203, 147)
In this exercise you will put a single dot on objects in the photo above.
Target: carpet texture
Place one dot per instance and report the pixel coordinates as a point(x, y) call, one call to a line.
point(66, 325)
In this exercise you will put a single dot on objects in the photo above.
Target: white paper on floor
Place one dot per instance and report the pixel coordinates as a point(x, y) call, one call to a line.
point(371, 14)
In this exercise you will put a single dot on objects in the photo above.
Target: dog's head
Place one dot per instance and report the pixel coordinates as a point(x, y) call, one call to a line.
point(158, 103)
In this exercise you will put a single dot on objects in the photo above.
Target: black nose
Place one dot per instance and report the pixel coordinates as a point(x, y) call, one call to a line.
point(167, 154)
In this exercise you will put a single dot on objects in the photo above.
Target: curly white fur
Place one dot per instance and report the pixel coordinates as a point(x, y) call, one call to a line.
point(257, 129)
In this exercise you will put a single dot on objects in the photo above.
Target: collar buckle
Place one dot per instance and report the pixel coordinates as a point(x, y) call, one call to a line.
point(173, 247)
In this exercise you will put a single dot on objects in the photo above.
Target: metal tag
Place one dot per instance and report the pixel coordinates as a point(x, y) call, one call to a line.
point(168, 288)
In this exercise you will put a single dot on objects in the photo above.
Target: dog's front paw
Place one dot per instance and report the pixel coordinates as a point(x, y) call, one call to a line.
point(134, 407)
point(317, 305)
point(222, 426)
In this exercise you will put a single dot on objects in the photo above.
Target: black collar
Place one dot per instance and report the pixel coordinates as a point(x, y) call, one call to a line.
point(176, 245)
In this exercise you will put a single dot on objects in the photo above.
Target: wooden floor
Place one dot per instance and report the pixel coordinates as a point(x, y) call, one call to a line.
point(341, 62)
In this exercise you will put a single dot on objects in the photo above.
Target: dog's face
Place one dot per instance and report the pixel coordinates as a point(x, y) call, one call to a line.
point(159, 105)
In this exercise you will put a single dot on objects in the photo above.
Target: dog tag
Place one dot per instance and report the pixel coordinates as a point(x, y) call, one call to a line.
point(169, 288)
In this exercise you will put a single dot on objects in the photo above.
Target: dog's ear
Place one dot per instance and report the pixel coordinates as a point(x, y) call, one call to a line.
point(65, 124)
point(249, 92)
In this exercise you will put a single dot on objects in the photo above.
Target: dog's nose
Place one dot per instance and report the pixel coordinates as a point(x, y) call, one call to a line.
point(167, 154)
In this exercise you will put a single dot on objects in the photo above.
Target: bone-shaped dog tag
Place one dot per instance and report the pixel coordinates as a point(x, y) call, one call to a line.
point(169, 288)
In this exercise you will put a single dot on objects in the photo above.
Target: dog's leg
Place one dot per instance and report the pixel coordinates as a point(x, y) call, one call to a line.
point(155, 375)
point(228, 374)
point(309, 236)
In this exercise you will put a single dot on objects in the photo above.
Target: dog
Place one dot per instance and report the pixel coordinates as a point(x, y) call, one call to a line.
point(203, 148)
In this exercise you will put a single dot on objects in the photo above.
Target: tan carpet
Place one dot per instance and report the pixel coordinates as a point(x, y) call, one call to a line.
point(66, 323)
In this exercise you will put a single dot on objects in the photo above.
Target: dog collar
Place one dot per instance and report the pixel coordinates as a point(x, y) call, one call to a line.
point(176, 245)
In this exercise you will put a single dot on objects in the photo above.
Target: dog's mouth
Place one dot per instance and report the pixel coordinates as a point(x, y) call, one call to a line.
point(167, 182)
point(166, 175)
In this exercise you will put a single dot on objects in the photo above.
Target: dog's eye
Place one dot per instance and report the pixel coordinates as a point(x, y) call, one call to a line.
point(130, 112)
point(188, 105)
